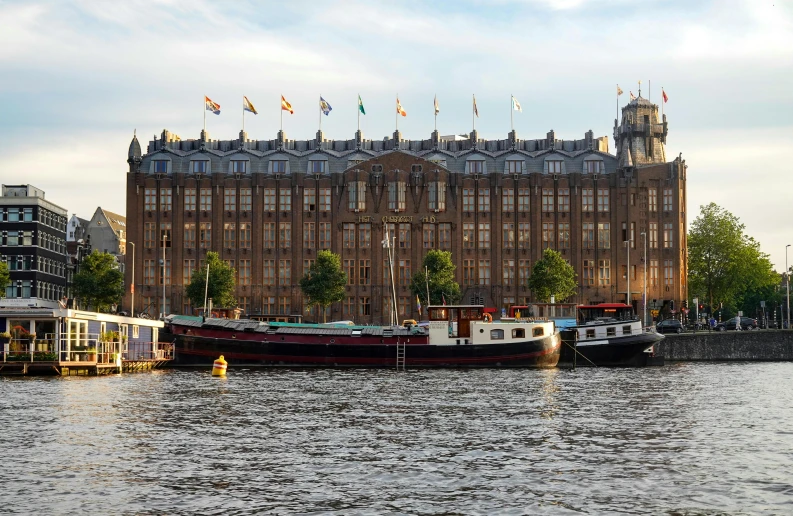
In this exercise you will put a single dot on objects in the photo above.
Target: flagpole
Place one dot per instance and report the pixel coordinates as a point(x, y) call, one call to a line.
point(359, 112)
point(434, 110)
point(320, 113)
point(282, 114)
point(473, 112)
point(662, 104)
point(396, 117)
point(205, 116)
point(511, 114)
point(618, 104)
point(243, 114)
point(650, 90)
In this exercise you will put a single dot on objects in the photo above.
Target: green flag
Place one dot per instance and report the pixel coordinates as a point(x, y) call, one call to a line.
point(360, 105)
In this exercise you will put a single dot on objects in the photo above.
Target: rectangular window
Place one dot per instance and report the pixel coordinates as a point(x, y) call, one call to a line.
point(149, 234)
point(523, 199)
point(428, 236)
point(230, 199)
point(588, 235)
point(189, 199)
point(390, 233)
point(324, 235)
point(404, 272)
point(205, 235)
point(348, 308)
point(633, 235)
point(508, 200)
point(667, 199)
point(396, 196)
point(356, 191)
point(588, 199)
point(547, 200)
point(348, 235)
point(604, 235)
point(199, 167)
point(524, 235)
point(149, 201)
point(669, 273)
point(284, 305)
point(653, 273)
point(245, 272)
point(229, 235)
point(245, 199)
point(188, 266)
point(205, 199)
point(484, 235)
point(564, 199)
point(268, 272)
point(444, 236)
point(284, 273)
point(437, 196)
point(604, 272)
point(508, 237)
point(324, 199)
point(309, 199)
point(668, 235)
point(189, 235)
point(268, 305)
point(307, 266)
point(653, 235)
point(317, 166)
point(309, 238)
point(285, 235)
point(278, 166)
point(484, 272)
point(268, 199)
point(386, 273)
point(484, 199)
point(595, 167)
point(285, 200)
point(245, 235)
point(239, 166)
point(469, 239)
point(469, 274)
point(554, 166)
point(364, 272)
point(268, 238)
point(508, 272)
point(166, 199)
point(148, 272)
point(603, 200)
point(524, 271)
point(165, 235)
point(468, 199)
point(364, 306)
point(365, 235)
point(404, 307)
point(514, 167)
point(476, 166)
point(588, 273)
point(652, 199)
point(404, 236)
point(548, 235)
point(564, 235)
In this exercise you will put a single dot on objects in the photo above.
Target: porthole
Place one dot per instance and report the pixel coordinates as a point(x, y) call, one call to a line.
point(481, 330)
point(333, 341)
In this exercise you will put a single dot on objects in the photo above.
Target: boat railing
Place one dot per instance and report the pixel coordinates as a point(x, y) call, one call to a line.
point(30, 350)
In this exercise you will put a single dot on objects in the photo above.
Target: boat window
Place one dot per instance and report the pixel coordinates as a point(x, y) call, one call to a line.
point(611, 331)
point(438, 314)
point(519, 333)
point(626, 330)
point(538, 332)
point(356, 333)
point(590, 334)
point(496, 334)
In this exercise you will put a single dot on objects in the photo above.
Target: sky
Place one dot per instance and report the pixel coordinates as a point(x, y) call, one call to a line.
point(77, 78)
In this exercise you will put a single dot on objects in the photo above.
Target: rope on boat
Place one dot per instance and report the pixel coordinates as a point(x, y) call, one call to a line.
point(578, 352)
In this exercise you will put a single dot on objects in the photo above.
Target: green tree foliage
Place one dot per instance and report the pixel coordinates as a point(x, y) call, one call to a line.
point(221, 283)
point(5, 278)
point(552, 276)
point(324, 282)
point(726, 266)
point(440, 269)
point(99, 282)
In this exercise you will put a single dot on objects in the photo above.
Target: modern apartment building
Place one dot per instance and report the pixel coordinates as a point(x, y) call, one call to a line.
point(268, 206)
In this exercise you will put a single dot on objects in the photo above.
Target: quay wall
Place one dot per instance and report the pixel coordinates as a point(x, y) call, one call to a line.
point(715, 346)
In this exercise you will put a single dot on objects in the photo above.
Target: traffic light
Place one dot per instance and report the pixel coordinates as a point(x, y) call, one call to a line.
point(701, 306)
point(672, 304)
point(685, 304)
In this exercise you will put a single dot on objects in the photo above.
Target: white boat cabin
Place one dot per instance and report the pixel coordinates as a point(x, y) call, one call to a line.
point(470, 324)
point(607, 320)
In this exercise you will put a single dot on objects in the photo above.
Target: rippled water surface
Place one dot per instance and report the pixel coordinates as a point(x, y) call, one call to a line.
point(681, 439)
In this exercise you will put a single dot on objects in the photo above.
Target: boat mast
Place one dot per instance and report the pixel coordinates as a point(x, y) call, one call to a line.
point(388, 244)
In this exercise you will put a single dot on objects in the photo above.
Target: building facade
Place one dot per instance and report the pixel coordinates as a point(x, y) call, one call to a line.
point(33, 245)
point(268, 206)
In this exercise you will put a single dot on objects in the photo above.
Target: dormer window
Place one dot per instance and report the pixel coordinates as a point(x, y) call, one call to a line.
point(239, 167)
point(278, 166)
point(160, 166)
point(594, 167)
point(475, 167)
point(514, 167)
point(554, 166)
point(317, 166)
point(199, 167)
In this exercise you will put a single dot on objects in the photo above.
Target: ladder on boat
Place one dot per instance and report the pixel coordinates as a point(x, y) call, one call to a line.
point(400, 355)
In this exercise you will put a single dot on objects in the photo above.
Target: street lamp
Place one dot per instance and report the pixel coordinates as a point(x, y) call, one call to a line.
point(644, 281)
point(787, 287)
point(628, 273)
point(132, 286)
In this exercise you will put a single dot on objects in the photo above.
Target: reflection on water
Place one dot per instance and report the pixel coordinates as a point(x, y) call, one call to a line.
point(684, 439)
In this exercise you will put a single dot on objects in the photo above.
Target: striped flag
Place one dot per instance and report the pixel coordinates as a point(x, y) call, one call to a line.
point(286, 106)
point(211, 106)
point(663, 94)
point(437, 106)
point(633, 97)
point(418, 303)
point(360, 106)
point(248, 106)
point(516, 105)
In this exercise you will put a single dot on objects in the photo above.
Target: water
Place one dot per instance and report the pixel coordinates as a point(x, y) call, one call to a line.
point(682, 439)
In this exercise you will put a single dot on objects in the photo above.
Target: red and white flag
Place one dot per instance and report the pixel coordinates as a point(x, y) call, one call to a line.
point(663, 94)
point(633, 97)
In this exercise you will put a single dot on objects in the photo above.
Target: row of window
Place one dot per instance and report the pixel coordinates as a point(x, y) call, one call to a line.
point(32, 263)
point(319, 199)
point(45, 217)
point(26, 238)
point(23, 289)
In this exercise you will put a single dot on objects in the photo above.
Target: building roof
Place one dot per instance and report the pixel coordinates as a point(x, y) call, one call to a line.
point(117, 222)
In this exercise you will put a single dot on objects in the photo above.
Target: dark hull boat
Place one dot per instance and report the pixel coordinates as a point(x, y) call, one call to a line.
point(457, 336)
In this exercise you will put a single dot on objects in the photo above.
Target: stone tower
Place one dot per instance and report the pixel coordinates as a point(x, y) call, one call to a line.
point(640, 136)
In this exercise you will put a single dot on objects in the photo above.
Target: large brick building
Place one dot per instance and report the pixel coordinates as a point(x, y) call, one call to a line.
point(268, 206)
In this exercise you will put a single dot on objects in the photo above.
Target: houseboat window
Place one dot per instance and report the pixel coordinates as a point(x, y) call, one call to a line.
point(611, 331)
point(438, 314)
point(519, 333)
point(590, 334)
point(496, 334)
point(538, 332)
point(626, 330)
point(135, 331)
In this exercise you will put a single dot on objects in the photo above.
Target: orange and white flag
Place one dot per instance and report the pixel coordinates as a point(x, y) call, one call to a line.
point(286, 106)
point(400, 109)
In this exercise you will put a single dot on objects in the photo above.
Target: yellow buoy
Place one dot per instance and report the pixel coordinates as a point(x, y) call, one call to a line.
point(219, 367)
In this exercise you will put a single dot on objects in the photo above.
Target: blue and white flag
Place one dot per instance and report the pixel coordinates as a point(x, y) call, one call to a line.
point(324, 106)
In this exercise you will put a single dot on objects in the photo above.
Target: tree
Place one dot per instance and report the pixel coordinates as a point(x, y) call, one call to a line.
point(5, 278)
point(99, 281)
point(725, 266)
point(221, 283)
point(552, 276)
point(324, 282)
point(439, 267)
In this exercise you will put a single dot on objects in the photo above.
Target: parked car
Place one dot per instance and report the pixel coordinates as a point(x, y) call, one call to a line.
point(747, 323)
point(669, 326)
